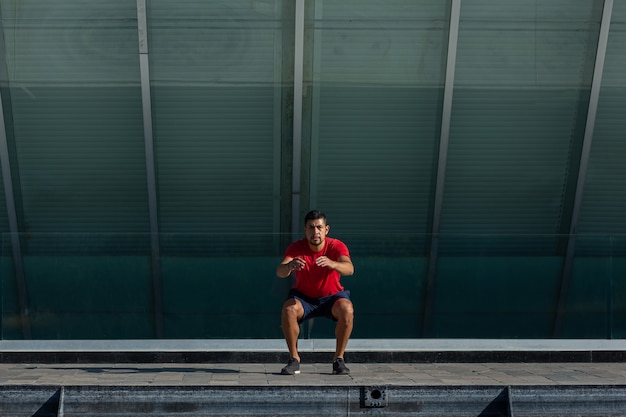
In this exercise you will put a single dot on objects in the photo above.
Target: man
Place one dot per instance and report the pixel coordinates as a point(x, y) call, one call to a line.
point(318, 263)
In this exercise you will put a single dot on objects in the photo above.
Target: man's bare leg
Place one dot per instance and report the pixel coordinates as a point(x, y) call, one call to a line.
point(291, 313)
point(343, 311)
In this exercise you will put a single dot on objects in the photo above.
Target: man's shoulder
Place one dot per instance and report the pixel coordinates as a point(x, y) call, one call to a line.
point(336, 244)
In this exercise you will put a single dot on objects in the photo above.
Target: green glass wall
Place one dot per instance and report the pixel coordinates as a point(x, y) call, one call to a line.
point(474, 166)
point(521, 99)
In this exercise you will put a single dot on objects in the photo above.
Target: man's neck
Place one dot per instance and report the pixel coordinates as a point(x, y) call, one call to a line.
point(317, 248)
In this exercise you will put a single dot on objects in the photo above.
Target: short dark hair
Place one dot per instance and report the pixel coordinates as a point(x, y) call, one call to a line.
point(314, 215)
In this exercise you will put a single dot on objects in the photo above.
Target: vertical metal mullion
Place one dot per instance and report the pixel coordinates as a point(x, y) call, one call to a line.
point(594, 97)
point(18, 265)
point(446, 117)
point(157, 285)
point(298, 82)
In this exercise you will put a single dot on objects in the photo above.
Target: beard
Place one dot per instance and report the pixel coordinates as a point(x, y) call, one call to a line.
point(316, 241)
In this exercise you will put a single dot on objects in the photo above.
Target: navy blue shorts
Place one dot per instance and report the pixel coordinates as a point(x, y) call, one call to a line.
point(318, 307)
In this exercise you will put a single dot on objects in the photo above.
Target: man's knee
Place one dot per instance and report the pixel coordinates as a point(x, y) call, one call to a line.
point(292, 308)
point(343, 310)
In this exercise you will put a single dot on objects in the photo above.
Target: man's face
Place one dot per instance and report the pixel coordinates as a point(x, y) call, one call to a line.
point(315, 231)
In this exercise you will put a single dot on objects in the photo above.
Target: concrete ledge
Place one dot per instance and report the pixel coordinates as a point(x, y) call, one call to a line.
point(315, 401)
point(313, 345)
point(274, 350)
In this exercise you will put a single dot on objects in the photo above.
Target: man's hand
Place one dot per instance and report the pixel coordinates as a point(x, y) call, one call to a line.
point(343, 265)
point(326, 262)
point(284, 269)
point(296, 264)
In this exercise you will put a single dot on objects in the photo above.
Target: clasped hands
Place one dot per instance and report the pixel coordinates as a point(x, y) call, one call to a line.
point(297, 264)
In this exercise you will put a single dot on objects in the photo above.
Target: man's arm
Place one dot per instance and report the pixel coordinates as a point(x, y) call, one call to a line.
point(343, 265)
point(283, 270)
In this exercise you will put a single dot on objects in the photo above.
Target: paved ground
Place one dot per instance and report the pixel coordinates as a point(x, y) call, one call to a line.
point(314, 374)
point(567, 363)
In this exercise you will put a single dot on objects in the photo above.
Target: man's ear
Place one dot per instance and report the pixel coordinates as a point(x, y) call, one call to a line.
point(327, 228)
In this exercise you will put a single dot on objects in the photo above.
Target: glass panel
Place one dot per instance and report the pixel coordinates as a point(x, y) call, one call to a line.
point(376, 79)
point(76, 122)
point(89, 297)
point(216, 72)
point(616, 303)
point(4, 217)
point(594, 305)
point(9, 308)
point(495, 296)
point(520, 104)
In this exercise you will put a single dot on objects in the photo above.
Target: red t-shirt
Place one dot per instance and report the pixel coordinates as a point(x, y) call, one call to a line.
point(316, 281)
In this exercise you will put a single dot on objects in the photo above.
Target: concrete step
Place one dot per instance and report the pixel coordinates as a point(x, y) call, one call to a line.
point(313, 401)
point(315, 350)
